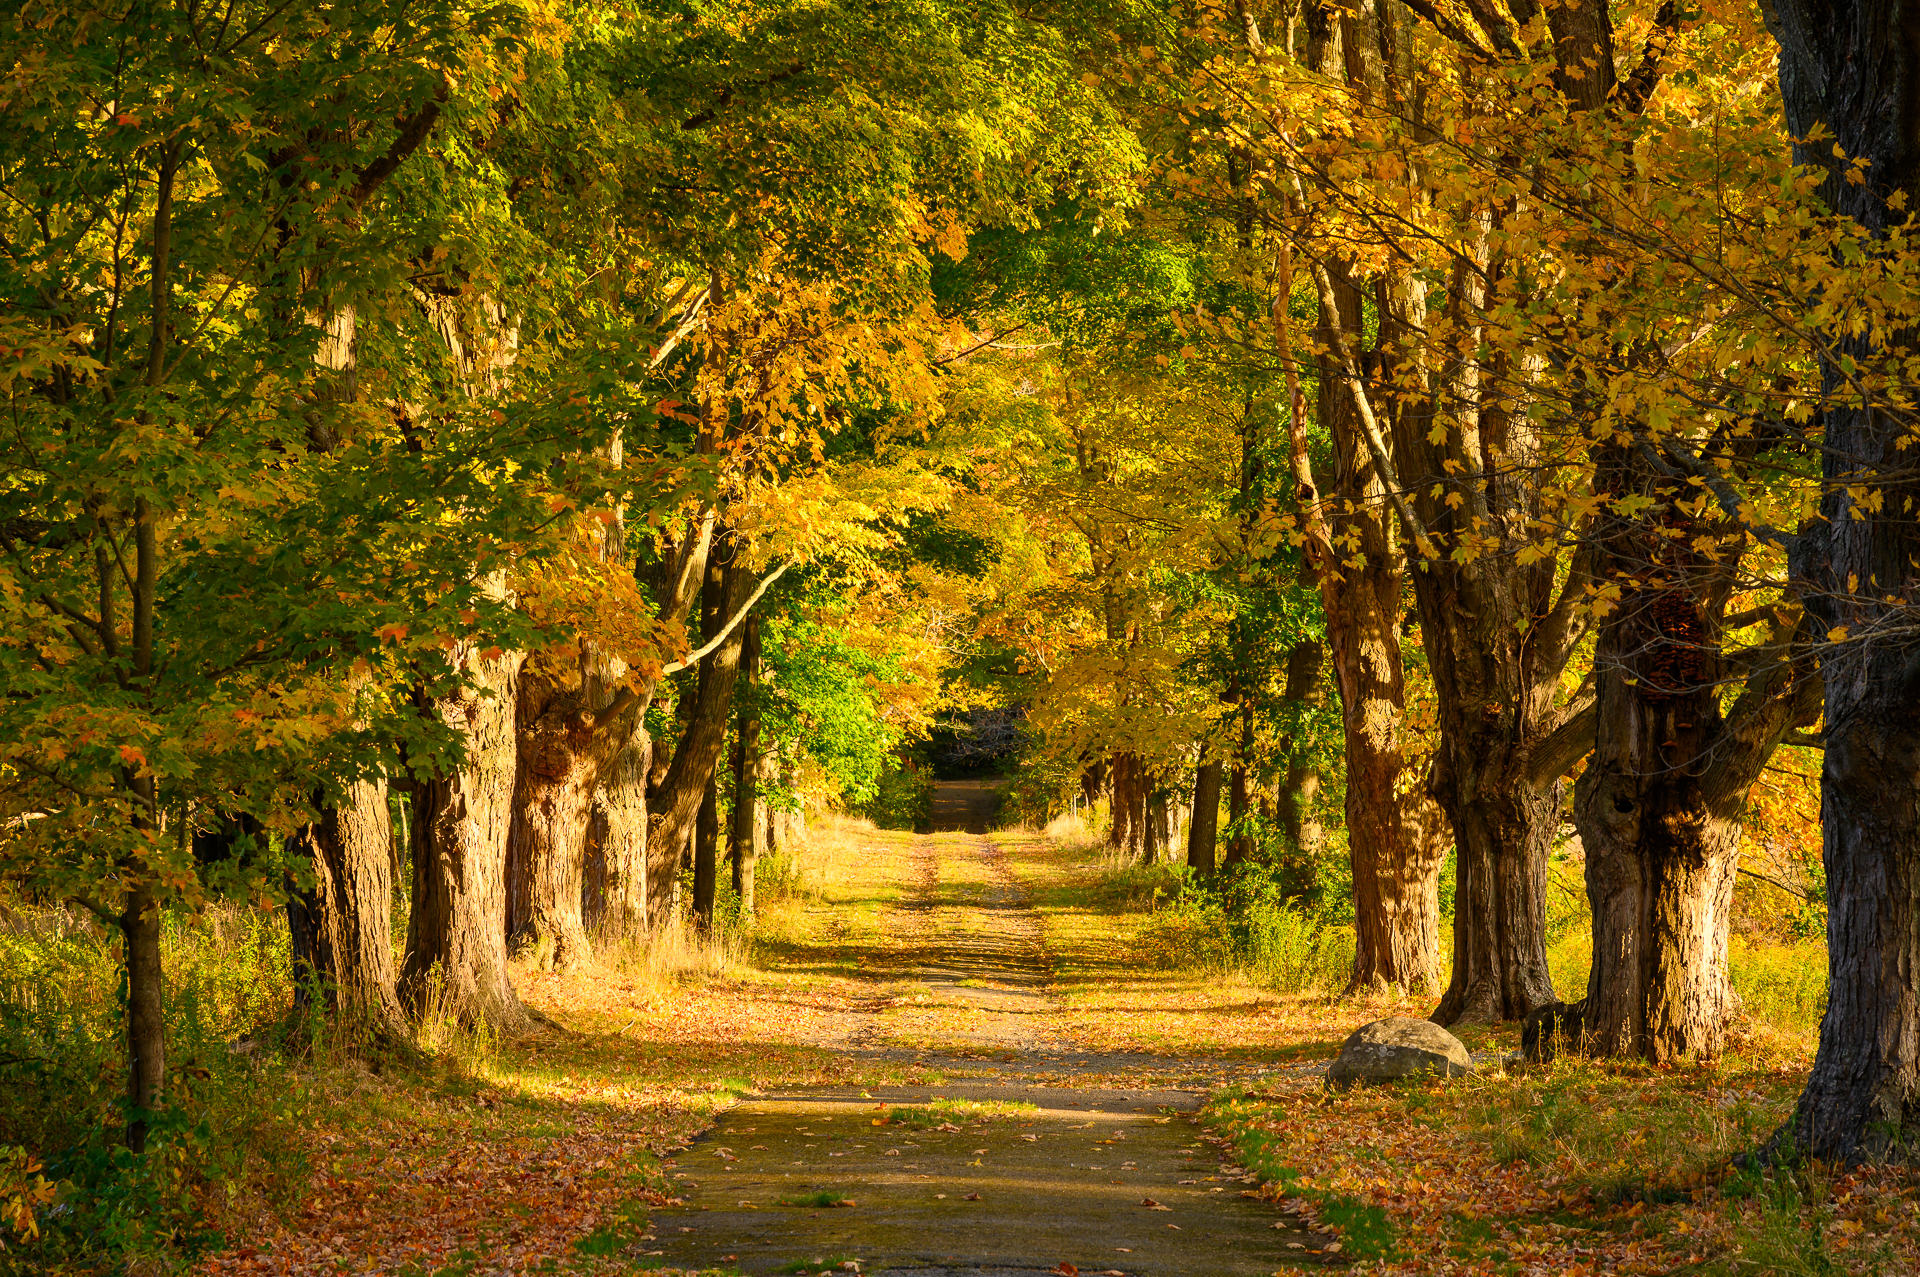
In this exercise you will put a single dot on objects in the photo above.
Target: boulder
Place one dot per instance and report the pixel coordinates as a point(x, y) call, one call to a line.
point(1398, 1047)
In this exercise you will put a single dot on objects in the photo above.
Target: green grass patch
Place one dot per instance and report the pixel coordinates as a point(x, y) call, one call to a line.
point(826, 1197)
point(1365, 1231)
point(817, 1265)
point(954, 1113)
point(624, 1230)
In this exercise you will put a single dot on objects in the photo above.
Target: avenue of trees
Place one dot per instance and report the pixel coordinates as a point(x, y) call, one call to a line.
point(550, 438)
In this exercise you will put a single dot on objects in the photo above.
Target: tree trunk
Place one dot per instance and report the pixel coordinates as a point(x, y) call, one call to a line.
point(1239, 803)
point(744, 849)
point(1394, 838)
point(343, 933)
point(1204, 833)
point(1159, 832)
point(572, 723)
point(146, 1018)
point(706, 854)
point(1296, 797)
point(1850, 67)
point(623, 805)
point(1128, 834)
point(456, 963)
point(674, 805)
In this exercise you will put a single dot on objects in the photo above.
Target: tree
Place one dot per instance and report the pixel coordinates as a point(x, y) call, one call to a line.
point(201, 539)
point(1855, 564)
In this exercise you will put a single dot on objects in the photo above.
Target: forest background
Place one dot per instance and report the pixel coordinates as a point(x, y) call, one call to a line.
point(1428, 480)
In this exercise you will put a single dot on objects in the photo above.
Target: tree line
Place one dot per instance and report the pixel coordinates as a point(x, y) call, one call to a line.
point(457, 412)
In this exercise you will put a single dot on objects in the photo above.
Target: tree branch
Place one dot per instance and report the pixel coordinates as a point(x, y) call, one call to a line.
point(1449, 28)
point(1632, 93)
point(1369, 425)
point(725, 98)
point(1555, 753)
point(695, 657)
point(413, 131)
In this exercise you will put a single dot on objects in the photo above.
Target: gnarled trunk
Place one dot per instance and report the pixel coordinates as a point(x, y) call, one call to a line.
point(567, 737)
point(1659, 804)
point(1851, 67)
point(456, 961)
point(342, 929)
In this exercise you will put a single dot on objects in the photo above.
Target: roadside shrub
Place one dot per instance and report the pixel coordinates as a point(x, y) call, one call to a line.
point(231, 1109)
point(1237, 920)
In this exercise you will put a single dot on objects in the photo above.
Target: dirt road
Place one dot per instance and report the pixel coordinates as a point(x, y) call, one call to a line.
point(966, 805)
point(1016, 1171)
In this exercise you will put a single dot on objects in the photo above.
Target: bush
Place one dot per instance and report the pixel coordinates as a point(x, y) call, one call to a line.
point(1239, 919)
point(62, 1078)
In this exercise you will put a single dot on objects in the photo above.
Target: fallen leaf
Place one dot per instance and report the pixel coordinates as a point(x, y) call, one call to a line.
point(1150, 1204)
point(1064, 1267)
point(973, 1197)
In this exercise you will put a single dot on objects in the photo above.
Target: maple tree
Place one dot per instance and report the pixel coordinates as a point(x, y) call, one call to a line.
point(562, 425)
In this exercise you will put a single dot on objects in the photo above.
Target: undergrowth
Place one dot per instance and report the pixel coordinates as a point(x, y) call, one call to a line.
point(230, 1126)
point(1237, 920)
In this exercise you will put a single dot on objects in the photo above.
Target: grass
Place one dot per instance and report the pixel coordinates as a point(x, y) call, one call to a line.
point(836, 1264)
point(826, 1197)
point(954, 1112)
point(278, 1125)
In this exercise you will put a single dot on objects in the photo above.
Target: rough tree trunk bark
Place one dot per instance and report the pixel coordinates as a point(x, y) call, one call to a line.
point(571, 726)
point(744, 851)
point(456, 961)
point(1394, 837)
point(1658, 807)
point(1128, 833)
point(623, 806)
point(1203, 833)
point(1851, 66)
point(344, 941)
point(146, 1012)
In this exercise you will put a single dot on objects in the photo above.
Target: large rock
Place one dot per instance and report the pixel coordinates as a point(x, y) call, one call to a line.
point(1398, 1047)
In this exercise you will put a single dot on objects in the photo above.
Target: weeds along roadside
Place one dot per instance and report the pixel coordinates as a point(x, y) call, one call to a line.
point(230, 1139)
point(1637, 1162)
point(250, 1083)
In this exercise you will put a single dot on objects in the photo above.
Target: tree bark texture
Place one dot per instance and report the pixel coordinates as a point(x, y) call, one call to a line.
point(1203, 833)
point(1659, 805)
point(1854, 67)
point(1394, 834)
point(146, 1012)
point(456, 963)
point(1127, 778)
point(344, 937)
point(623, 842)
point(571, 725)
point(743, 848)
